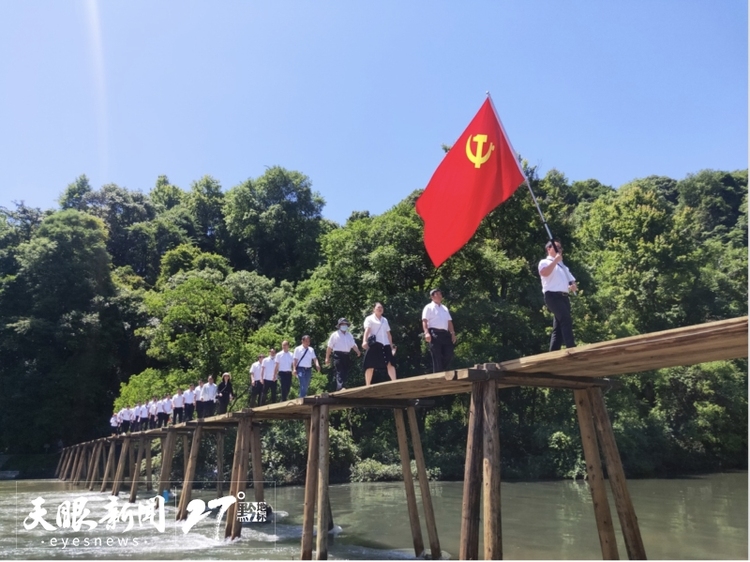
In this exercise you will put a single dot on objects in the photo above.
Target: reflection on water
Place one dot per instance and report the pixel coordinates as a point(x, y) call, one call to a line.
point(704, 517)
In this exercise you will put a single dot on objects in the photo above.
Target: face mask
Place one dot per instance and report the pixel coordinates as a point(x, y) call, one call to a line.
point(344, 328)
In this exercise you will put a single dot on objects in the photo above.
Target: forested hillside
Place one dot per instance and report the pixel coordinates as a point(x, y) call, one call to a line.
point(120, 294)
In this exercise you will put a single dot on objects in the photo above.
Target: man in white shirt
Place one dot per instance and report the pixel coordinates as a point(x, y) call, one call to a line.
point(304, 356)
point(209, 398)
point(269, 369)
point(114, 423)
point(189, 396)
point(199, 399)
point(161, 417)
point(125, 420)
point(284, 362)
point(256, 381)
point(167, 405)
point(152, 413)
point(340, 344)
point(557, 282)
point(437, 325)
point(178, 403)
point(144, 417)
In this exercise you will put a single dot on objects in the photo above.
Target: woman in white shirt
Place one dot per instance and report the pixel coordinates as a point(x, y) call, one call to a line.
point(378, 342)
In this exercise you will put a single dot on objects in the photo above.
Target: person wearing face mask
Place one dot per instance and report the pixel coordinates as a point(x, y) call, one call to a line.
point(340, 344)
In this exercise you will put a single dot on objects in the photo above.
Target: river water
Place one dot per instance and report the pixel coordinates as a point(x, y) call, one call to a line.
point(703, 517)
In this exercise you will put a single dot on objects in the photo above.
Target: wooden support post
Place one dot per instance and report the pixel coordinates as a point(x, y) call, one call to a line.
point(411, 498)
point(149, 482)
point(74, 463)
point(323, 499)
point(109, 467)
point(131, 459)
point(311, 485)
point(219, 463)
point(257, 462)
point(234, 476)
point(66, 465)
point(119, 475)
point(628, 521)
point(97, 461)
point(595, 476)
point(137, 469)
point(59, 463)
point(187, 485)
point(103, 460)
point(468, 548)
point(81, 463)
point(424, 484)
point(185, 454)
point(493, 532)
point(167, 456)
point(241, 483)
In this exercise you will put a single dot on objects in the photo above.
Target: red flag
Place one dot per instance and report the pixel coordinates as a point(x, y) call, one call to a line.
point(479, 172)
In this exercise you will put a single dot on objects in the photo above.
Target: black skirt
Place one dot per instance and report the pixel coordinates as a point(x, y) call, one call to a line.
point(378, 356)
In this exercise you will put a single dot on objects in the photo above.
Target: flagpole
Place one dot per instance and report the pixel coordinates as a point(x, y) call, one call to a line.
point(526, 180)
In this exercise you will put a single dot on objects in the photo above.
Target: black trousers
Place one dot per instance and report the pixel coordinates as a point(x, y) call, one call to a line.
point(125, 426)
point(268, 385)
point(208, 408)
point(441, 348)
point(189, 409)
point(285, 377)
point(256, 390)
point(199, 409)
point(178, 416)
point(562, 326)
point(342, 365)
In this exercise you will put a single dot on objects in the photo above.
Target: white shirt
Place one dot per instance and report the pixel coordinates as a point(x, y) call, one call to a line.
point(178, 400)
point(437, 316)
point(285, 360)
point(209, 392)
point(199, 393)
point(143, 412)
point(378, 328)
point(134, 413)
point(307, 360)
point(152, 408)
point(113, 421)
point(557, 281)
point(269, 368)
point(341, 341)
point(167, 405)
point(125, 414)
point(189, 396)
point(160, 406)
point(255, 371)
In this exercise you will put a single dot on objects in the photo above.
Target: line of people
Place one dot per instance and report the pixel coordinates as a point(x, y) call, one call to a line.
point(203, 401)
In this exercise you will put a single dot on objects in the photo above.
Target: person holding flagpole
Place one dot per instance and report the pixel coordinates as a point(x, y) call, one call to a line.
point(557, 282)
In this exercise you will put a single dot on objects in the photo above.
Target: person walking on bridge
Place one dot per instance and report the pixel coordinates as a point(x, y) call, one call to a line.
point(304, 357)
point(340, 345)
point(557, 282)
point(378, 342)
point(437, 325)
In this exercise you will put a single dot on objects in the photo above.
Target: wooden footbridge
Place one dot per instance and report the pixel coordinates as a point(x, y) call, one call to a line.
point(581, 369)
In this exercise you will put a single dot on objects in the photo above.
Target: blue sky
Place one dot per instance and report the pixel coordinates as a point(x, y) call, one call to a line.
point(360, 96)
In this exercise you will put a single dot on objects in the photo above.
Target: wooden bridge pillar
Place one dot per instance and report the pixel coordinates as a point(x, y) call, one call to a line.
point(324, 504)
point(66, 465)
point(109, 466)
point(59, 463)
point(187, 485)
point(95, 464)
point(219, 463)
point(149, 481)
point(493, 533)
point(167, 456)
point(625, 511)
point(185, 454)
point(468, 548)
point(81, 463)
point(137, 469)
point(424, 485)
point(311, 485)
point(257, 456)
point(120, 474)
point(238, 482)
point(595, 476)
point(411, 498)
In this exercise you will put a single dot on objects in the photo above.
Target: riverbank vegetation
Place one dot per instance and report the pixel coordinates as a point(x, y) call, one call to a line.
point(118, 295)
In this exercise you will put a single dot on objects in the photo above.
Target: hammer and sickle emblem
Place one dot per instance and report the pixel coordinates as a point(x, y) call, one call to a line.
point(478, 158)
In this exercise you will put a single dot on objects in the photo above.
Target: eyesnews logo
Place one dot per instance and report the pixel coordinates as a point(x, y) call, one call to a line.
point(97, 541)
